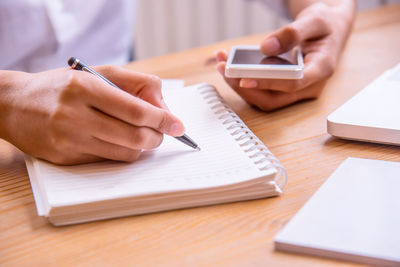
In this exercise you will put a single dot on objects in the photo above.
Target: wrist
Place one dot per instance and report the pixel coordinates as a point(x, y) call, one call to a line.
point(11, 85)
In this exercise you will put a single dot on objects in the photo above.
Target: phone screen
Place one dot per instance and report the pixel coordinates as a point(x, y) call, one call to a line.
point(245, 56)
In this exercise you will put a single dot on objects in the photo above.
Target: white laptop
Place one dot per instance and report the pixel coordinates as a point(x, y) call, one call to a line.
point(372, 115)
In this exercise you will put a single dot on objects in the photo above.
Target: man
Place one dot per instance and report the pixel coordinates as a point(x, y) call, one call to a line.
point(69, 117)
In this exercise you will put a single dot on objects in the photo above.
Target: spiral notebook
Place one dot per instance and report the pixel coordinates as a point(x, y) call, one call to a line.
point(233, 165)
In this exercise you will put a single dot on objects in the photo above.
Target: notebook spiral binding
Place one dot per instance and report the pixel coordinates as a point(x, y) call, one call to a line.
point(248, 141)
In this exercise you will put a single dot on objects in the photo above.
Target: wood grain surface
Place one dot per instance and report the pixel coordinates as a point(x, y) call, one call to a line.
point(237, 234)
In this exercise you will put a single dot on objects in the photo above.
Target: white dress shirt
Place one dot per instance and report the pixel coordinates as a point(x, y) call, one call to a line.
point(37, 35)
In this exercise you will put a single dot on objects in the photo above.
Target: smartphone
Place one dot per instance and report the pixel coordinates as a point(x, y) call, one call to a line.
point(247, 61)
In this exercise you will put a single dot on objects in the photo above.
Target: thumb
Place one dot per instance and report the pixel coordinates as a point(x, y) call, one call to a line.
point(293, 34)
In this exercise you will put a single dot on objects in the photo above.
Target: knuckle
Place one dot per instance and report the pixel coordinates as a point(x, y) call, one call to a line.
point(155, 140)
point(321, 12)
point(292, 34)
point(59, 113)
point(139, 138)
point(146, 139)
point(55, 121)
point(109, 68)
point(106, 69)
point(155, 82)
point(329, 68)
point(59, 142)
point(266, 106)
point(319, 18)
point(72, 79)
point(58, 123)
point(71, 89)
point(159, 139)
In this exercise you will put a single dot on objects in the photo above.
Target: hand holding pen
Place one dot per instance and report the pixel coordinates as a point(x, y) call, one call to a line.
point(69, 117)
point(166, 124)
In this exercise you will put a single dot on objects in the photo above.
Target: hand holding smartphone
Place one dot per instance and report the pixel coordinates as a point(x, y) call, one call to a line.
point(247, 61)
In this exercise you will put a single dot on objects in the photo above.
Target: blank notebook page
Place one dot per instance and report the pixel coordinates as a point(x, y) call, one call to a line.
point(172, 167)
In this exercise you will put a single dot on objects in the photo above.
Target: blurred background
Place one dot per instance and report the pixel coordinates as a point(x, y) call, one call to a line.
point(166, 26)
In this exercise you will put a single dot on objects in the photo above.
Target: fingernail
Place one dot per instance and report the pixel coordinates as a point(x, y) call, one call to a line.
point(176, 129)
point(244, 83)
point(271, 45)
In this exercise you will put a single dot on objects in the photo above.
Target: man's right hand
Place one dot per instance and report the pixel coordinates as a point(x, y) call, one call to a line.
point(69, 117)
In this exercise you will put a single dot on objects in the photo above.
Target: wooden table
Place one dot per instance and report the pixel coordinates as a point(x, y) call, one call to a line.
point(232, 234)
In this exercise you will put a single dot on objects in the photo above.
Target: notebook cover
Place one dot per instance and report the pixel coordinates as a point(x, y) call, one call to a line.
point(353, 216)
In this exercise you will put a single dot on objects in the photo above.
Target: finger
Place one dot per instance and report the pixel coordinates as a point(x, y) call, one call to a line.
point(81, 148)
point(233, 82)
point(221, 55)
point(267, 100)
point(125, 107)
point(311, 74)
point(279, 85)
point(120, 133)
point(262, 84)
point(99, 148)
point(128, 80)
point(316, 67)
point(271, 100)
point(221, 68)
point(144, 86)
point(303, 28)
point(76, 159)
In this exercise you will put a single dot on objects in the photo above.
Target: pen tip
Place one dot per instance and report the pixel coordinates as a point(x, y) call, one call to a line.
point(198, 148)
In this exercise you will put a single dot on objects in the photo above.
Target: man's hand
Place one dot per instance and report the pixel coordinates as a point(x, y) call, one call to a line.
point(321, 30)
point(67, 116)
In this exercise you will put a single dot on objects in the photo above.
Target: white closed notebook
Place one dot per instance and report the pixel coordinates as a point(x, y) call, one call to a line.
point(355, 216)
point(232, 165)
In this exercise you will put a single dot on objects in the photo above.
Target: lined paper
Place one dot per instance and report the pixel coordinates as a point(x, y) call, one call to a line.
point(171, 167)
